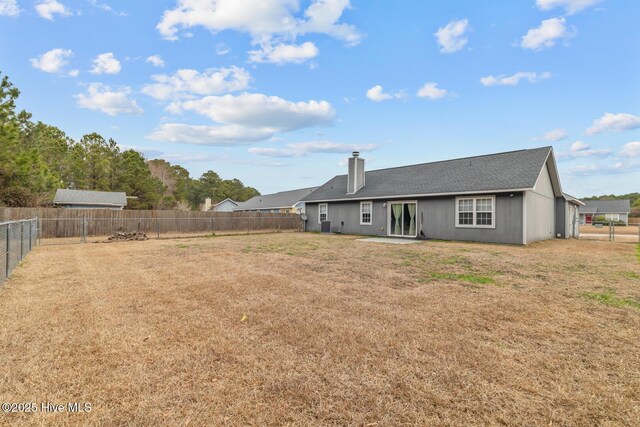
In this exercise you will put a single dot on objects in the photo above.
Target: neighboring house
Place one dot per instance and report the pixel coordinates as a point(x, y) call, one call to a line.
point(85, 199)
point(512, 197)
point(227, 205)
point(611, 210)
point(284, 202)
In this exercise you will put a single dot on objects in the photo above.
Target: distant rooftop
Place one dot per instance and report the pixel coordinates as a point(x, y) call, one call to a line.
point(281, 200)
point(85, 197)
point(606, 206)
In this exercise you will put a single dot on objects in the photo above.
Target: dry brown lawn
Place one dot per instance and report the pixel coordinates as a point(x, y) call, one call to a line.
point(304, 329)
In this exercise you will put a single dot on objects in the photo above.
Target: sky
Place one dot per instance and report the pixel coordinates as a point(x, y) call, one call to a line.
point(278, 93)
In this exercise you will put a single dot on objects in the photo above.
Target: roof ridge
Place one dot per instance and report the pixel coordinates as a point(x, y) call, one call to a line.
point(457, 159)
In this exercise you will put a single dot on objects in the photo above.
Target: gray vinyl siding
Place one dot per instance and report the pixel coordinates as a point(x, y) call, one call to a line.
point(349, 213)
point(436, 216)
point(541, 209)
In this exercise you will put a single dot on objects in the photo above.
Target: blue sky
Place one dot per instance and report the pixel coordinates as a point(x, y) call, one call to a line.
point(277, 93)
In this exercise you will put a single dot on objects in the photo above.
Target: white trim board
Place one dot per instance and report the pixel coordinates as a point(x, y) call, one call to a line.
point(407, 196)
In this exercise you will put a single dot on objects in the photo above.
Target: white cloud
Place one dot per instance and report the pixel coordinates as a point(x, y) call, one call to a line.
point(284, 53)
point(52, 61)
point(9, 8)
point(377, 94)
point(631, 149)
point(604, 169)
point(73, 73)
point(553, 136)
point(302, 149)
point(106, 63)
point(570, 6)
point(431, 91)
point(269, 22)
point(323, 17)
point(260, 111)
point(186, 82)
point(48, 8)
point(514, 79)
point(546, 35)
point(226, 135)
point(112, 102)
point(580, 149)
point(156, 61)
point(222, 49)
point(243, 119)
point(102, 6)
point(451, 37)
point(614, 122)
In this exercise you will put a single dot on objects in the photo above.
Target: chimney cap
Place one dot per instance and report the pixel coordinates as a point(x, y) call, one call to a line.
point(355, 154)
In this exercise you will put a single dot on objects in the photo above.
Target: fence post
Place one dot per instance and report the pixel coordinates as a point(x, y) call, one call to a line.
point(158, 226)
point(21, 239)
point(8, 247)
point(83, 237)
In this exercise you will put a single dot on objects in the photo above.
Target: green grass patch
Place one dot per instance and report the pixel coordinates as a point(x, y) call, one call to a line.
point(638, 252)
point(182, 246)
point(631, 275)
point(466, 277)
point(609, 298)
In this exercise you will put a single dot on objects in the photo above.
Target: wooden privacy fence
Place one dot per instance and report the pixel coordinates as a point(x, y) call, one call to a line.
point(60, 222)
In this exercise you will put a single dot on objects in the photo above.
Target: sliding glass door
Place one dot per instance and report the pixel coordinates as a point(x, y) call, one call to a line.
point(402, 219)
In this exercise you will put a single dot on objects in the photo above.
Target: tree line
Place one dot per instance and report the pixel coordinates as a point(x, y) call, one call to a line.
point(37, 158)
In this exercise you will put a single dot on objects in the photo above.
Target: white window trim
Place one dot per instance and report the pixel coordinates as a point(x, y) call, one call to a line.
point(475, 198)
point(319, 205)
point(614, 217)
point(370, 213)
point(389, 203)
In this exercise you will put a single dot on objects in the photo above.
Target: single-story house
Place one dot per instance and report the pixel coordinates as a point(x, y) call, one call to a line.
point(283, 202)
point(513, 197)
point(226, 205)
point(86, 199)
point(611, 210)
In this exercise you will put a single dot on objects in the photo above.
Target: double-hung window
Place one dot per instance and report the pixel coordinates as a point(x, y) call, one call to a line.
point(366, 213)
point(476, 212)
point(323, 212)
point(612, 217)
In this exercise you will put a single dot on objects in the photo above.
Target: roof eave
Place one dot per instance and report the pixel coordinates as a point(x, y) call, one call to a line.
point(407, 196)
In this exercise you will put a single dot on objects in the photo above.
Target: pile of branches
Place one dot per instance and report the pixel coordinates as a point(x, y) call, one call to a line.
point(121, 236)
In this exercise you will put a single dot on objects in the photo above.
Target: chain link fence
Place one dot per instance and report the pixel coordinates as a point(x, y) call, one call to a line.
point(611, 233)
point(17, 238)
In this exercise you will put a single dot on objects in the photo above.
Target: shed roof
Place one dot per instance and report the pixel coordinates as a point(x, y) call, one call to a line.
point(283, 199)
point(572, 199)
point(85, 197)
point(514, 170)
point(606, 206)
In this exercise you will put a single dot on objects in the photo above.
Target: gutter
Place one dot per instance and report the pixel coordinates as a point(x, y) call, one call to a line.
point(508, 190)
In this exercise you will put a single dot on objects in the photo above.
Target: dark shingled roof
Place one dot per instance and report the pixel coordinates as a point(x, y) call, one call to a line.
point(494, 172)
point(284, 199)
point(85, 197)
point(606, 206)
